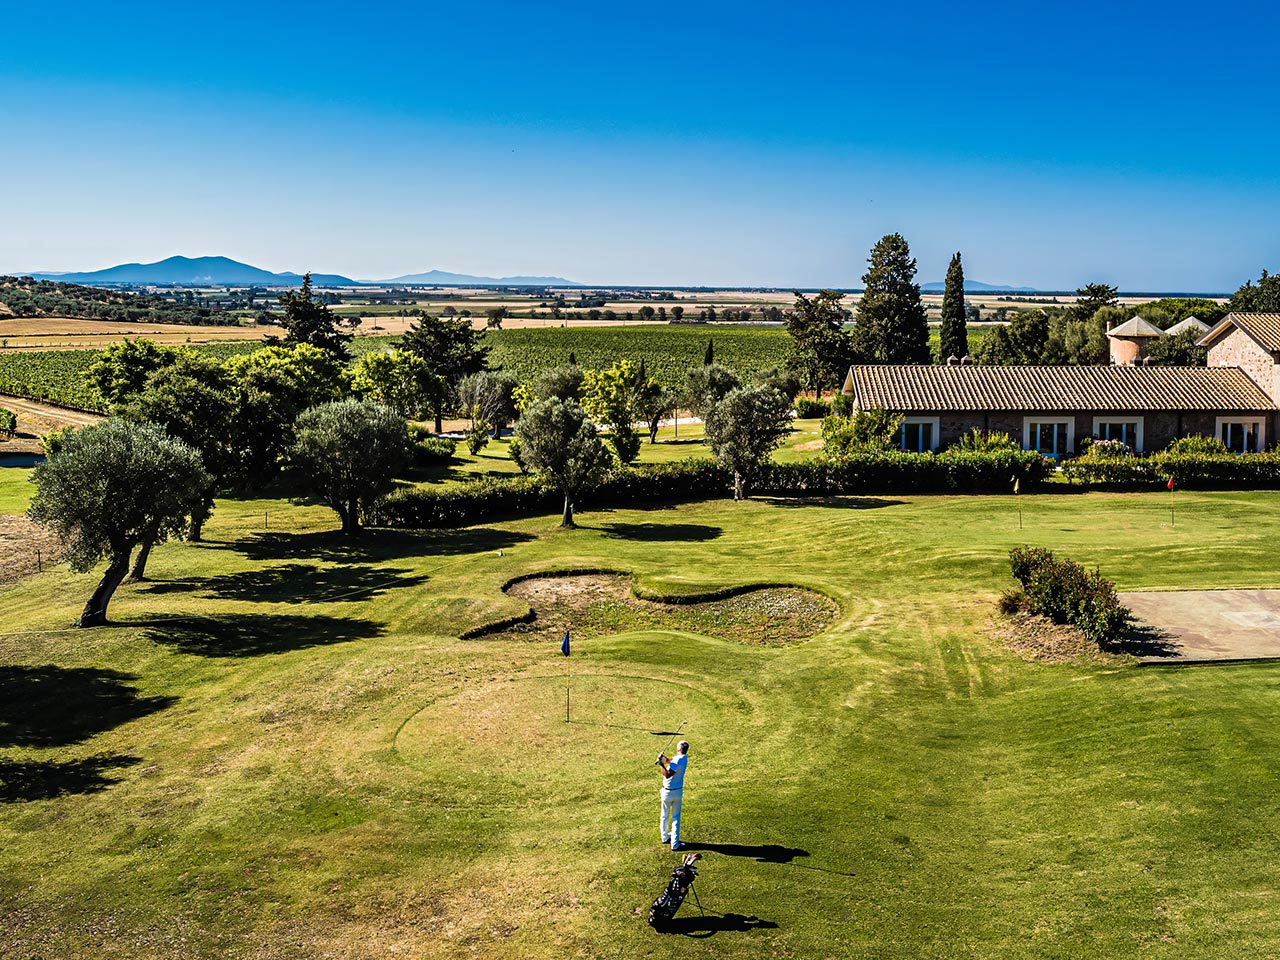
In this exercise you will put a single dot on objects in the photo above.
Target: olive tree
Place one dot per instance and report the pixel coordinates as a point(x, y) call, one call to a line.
point(107, 488)
point(347, 453)
point(557, 438)
point(704, 386)
point(743, 428)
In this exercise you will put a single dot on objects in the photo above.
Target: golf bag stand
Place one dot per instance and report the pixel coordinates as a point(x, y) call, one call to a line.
point(681, 883)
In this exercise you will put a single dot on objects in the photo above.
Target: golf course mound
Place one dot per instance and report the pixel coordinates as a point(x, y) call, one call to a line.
point(1040, 640)
point(597, 604)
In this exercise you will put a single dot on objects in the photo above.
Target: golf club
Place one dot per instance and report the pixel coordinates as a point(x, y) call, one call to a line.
point(673, 737)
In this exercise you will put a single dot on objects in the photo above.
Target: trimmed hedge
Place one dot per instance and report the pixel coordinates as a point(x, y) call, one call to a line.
point(1193, 471)
point(1066, 592)
point(809, 409)
point(889, 472)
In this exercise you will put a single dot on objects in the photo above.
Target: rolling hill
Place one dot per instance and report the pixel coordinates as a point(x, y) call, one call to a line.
point(195, 271)
point(442, 278)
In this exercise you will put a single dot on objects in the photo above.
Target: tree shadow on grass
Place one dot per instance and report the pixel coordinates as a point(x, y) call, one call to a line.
point(703, 927)
point(835, 501)
point(50, 706)
point(657, 532)
point(1146, 640)
point(374, 546)
point(253, 634)
point(24, 780)
point(295, 583)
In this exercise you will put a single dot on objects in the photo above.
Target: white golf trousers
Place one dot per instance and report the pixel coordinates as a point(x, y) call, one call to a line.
point(670, 813)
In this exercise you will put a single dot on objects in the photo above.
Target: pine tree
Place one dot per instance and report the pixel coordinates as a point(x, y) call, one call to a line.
point(955, 338)
point(710, 356)
point(890, 325)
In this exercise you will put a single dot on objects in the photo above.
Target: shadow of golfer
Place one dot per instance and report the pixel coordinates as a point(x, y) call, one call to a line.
point(761, 852)
point(700, 928)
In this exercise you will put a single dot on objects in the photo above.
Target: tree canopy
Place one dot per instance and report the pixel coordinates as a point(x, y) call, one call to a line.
point(743, 428)
point(890, 325)
point(108, 487)
point(821, 347)
point(347, 453)
point(451, 351)
point(557, 438)
point(1262, 297)
point(954, 337)
point(308, 320)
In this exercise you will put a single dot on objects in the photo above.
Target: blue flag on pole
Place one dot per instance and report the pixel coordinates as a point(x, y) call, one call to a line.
point(564, 644)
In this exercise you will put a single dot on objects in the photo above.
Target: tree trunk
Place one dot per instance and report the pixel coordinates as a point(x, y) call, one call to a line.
point(568, 512)
point(739, 486)
point(95, 611)
point(351, 517)
point(653, 432)
point(439, 420)
point(199, 515)
point(139, 571)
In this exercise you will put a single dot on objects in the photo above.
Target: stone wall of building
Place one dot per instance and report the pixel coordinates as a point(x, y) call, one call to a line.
point(1238, 349)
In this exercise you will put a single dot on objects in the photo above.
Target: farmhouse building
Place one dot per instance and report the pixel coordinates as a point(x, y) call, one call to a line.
point(1051, 408)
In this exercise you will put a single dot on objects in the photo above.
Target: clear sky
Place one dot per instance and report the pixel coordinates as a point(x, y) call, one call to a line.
point(708, 143)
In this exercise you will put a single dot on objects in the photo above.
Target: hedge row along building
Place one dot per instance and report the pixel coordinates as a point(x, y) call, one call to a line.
point(1050, 409)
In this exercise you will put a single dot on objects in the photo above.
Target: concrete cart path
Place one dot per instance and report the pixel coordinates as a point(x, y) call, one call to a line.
point(1198, 626)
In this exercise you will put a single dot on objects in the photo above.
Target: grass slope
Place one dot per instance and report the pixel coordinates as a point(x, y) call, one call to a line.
point(280, 750)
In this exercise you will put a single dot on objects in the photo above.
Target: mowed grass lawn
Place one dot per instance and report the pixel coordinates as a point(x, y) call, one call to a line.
point(281, 749)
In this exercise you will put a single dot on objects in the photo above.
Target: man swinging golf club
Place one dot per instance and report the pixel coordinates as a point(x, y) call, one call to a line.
point(673, 769)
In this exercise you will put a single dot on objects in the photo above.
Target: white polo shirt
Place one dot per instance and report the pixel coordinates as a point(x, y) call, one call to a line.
point(676, 766)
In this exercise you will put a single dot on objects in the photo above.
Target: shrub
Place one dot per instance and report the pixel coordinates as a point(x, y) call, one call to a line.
point(810, 409)
point(866, 431)
point(1108, 450)
point(1197, 445)
point(1193, 471)
point(1012, 601)
point(842, 405)
point(8, 424)
point(1065, 592)
point(432, 451)
point(985, 441)
point(478, 436)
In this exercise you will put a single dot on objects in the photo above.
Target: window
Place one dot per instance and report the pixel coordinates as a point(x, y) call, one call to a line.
point(918, 434)
point(1052, 436)
point(1127, 430)
point(1242, 434)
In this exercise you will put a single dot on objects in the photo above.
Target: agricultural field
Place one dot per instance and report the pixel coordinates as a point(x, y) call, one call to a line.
point(280, 749)
point(60, 333)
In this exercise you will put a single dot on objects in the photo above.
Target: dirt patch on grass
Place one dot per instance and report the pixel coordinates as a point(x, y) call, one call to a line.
point(597, 604)
point(809, 445)
point(1040, 640)
point(25, 547)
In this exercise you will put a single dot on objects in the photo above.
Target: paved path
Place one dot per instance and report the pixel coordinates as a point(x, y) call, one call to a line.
point(1194, 626)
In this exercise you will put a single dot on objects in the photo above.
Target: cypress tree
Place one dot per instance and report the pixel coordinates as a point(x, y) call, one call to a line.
point(573, 361)
point(710, 357)
point(955, 338)
point(890, 325)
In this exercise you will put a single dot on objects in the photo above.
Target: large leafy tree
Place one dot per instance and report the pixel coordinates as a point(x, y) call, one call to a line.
point(821, 347)
point(609, 397)
point(347, 453)
point(309, 320)
point(890, 325)
point(704, 386)
point(743, 428)
point(1262, 297)
point(954, 336)
point(1092, 297)
point(192, 399)
point(397, 379)
point(122, 369)
point(108, 487)
point(451, 350)
point(558, 438)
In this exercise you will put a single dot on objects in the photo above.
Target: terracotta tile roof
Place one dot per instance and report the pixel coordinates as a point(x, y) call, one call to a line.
point(1262, 327)
point(929, 389)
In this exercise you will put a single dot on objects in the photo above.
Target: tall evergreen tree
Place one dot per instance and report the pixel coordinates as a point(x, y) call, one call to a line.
point(955, 338)
point(308, 319)
point(451, 349)
point(710, 357)
point(890, 324)
point(821, 348)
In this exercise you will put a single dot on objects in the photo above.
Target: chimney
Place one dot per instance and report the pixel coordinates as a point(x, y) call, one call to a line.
point(953, 360)
point(965, 361)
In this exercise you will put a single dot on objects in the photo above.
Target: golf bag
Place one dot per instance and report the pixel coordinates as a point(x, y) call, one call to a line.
point(682, 877)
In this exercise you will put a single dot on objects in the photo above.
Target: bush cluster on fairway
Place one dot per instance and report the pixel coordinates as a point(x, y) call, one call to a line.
point(1065, 592)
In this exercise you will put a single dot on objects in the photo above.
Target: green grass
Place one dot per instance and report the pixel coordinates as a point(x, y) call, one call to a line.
point(300, 769)
point(15, 491)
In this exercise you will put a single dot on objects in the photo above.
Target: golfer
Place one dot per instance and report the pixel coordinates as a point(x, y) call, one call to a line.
point(673, 769)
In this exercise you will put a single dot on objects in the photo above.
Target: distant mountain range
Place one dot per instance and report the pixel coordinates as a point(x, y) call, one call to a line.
point(195, 271)
point(225, 272)
point(442, 278)
point(976, 286)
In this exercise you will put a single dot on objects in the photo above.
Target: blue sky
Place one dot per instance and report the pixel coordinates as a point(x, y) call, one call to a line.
point(692, 143)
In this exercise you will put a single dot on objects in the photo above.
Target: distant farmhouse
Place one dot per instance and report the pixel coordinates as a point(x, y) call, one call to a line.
point(1235, 398)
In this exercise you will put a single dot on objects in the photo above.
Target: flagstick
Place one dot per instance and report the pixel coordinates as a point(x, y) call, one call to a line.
point(1019, 511)
point(1171, 523)
point(568, 678)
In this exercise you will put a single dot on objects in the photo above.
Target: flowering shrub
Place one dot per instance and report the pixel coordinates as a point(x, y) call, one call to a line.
point(1066, 592)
